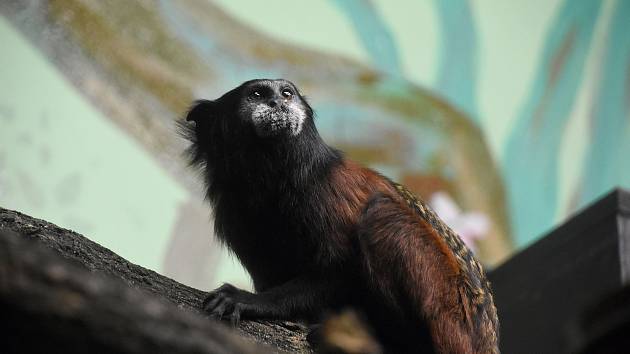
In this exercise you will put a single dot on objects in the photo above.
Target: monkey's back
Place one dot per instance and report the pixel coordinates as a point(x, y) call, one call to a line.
point(473, 281)
point(403, 238)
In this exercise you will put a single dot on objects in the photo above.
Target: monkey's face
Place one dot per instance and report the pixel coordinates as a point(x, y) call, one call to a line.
point(256, 110)
point(273, 107)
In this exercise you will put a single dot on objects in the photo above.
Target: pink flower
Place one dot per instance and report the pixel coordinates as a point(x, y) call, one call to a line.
point(470, 226)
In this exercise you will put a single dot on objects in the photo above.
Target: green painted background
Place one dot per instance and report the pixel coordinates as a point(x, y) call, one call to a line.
point(87, 142)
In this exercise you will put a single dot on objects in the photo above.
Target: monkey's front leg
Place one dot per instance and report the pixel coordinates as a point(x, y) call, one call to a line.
point(301, 298)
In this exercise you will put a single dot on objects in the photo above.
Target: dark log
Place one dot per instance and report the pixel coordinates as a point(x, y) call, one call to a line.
point(542, 292)
point(81, 297)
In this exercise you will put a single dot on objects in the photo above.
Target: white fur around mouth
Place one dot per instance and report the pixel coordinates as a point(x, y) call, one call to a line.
point(269, 121)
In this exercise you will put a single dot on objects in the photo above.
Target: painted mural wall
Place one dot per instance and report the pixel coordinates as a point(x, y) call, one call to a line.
point(507, 116)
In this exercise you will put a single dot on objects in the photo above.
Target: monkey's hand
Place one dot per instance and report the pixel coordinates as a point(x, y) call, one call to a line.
point(302, 297)
point(227, 302)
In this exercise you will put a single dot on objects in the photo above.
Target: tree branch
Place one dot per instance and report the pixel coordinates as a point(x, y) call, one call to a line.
point(84, 297)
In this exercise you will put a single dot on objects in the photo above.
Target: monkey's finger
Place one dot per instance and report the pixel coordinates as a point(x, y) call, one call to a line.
point(218, 293)
point(223, 308)
point(207, 300)
point(212, 295)
point(217, 312)
point(213, 303)
point(217, 315)
point(235, 317)
point(213, 300)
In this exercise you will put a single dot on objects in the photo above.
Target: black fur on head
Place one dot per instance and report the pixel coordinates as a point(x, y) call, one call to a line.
point(268, 108)
point(263, 130)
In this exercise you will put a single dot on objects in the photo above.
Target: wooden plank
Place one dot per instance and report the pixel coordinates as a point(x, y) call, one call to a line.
point(542, 290)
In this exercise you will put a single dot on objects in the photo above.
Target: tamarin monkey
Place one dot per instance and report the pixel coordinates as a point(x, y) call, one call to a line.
point(318, 232)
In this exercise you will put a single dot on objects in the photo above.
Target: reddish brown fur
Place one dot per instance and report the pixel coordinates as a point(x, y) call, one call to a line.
point(402, 247)
point(359, 184)
point(425, 269)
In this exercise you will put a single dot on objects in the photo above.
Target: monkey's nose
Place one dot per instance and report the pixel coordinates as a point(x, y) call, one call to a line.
point(274, 102)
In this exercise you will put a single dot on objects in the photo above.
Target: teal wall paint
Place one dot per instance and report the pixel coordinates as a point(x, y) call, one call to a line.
point(491, 60)
point(531, 160)
point(608, 157)
point(374, 34)
point(63, 161)
point(457, 73)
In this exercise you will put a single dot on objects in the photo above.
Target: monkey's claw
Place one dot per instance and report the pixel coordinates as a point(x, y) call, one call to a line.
point(228, 303)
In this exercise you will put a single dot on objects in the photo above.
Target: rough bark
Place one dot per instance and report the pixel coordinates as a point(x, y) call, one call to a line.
point(83, 297)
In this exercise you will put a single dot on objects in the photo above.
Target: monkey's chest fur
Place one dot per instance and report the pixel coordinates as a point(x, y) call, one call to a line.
point(279, 229)
point(270, 241)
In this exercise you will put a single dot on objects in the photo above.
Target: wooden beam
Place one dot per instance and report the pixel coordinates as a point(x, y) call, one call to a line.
point(541, 291)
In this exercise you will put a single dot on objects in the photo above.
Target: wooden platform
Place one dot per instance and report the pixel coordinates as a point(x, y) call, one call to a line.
point(542, 291)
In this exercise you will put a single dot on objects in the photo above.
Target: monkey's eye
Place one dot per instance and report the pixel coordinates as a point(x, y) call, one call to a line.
point(255, 94)
point(286, 93)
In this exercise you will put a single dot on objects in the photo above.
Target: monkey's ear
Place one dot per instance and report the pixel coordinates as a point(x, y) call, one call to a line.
point(201, 110)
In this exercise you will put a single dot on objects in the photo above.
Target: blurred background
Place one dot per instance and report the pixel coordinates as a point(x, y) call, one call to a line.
point(507, 117)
